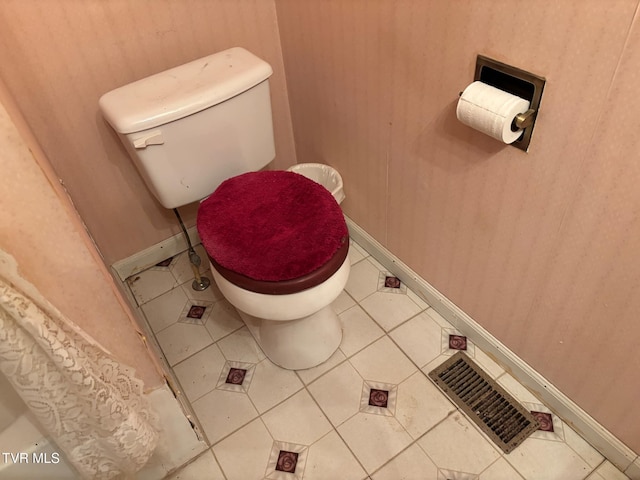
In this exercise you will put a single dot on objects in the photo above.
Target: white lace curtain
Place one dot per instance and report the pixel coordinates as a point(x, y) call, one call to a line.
point(91, 405)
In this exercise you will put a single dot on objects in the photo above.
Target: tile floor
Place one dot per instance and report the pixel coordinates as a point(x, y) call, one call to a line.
point(369, 412)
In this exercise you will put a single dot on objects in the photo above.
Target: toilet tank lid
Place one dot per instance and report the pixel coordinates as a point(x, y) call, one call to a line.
point(183, 90)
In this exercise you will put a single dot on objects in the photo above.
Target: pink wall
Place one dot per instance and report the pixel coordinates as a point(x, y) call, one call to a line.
point(40, 229)
point(58, 61)
point(541, 248)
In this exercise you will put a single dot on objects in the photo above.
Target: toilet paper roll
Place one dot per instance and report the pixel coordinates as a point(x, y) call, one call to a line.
point(491, 111)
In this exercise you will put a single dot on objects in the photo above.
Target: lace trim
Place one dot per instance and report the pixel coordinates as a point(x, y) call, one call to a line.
point(92, 405)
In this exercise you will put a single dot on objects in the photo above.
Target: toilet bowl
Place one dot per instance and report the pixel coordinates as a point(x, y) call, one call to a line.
point(278, 248)
point(277, 241)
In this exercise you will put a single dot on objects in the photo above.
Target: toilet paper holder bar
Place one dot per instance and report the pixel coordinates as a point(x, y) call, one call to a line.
point(517, 82)
point(524, 120)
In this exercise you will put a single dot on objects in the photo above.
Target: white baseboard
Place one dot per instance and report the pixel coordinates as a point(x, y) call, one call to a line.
point(148, 257)
point(600, 438)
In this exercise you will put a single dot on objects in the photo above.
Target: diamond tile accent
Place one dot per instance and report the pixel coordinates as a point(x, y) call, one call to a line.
point(453, 475)
point(545, 420)
point(457, 342)
point(379, 398)
point(196, 312)
point(452, 341)
point(392, 282)
point(389, 283)
point(236, 376)
point(551, 427)
point(286, 461)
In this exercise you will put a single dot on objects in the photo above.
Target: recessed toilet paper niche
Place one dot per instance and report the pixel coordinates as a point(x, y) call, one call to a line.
point(516, 82)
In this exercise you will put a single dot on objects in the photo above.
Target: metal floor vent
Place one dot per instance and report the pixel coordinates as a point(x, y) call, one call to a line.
point(485, 402)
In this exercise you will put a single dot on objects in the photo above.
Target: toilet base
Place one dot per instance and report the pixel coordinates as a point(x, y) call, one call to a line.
point(297, 344)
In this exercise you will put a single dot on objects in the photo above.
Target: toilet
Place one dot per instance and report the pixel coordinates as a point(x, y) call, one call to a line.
point(277, 241)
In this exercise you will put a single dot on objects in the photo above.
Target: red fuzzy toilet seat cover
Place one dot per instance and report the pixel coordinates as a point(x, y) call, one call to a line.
point(271, 225)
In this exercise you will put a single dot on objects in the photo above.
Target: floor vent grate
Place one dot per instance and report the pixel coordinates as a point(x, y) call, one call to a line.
point(485, 402)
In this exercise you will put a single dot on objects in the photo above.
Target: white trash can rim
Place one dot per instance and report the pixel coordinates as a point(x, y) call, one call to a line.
point(325, 175)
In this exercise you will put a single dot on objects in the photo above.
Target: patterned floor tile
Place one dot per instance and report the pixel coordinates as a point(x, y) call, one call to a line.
point(195, 312)
point(607, 471)
point(420, 405)
point(199, 373)
point(271, 385)
point(412, 463)
point(338, 393)
point(165, 310)
point(363, 280)
point(581, 447)
point(359, 330)
point(150, 284)
point(455, 444)
point(378, 398)
point(329, 458)
point(286, 461)
point(551, 427)
point(297, 420)
point(205, 466)
point(236, 376)
point(221, 412)
point(343, 302)
point(224, 319)
point(241, 347)
point(389, 310)
point(420, 337)
point(383, 361)
point(389, 283)
point(487, 364)
point(366, 413)
point(181, 340)
point(374, 439)
point(500, 470)
point(310, 374)
point(245, 454)
point(516, 389)
point(538, 458)
point(356, 252)
point(452, 341)
point(445, 474)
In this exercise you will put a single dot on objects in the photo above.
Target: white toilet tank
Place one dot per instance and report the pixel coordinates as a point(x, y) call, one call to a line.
point(189, 128)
